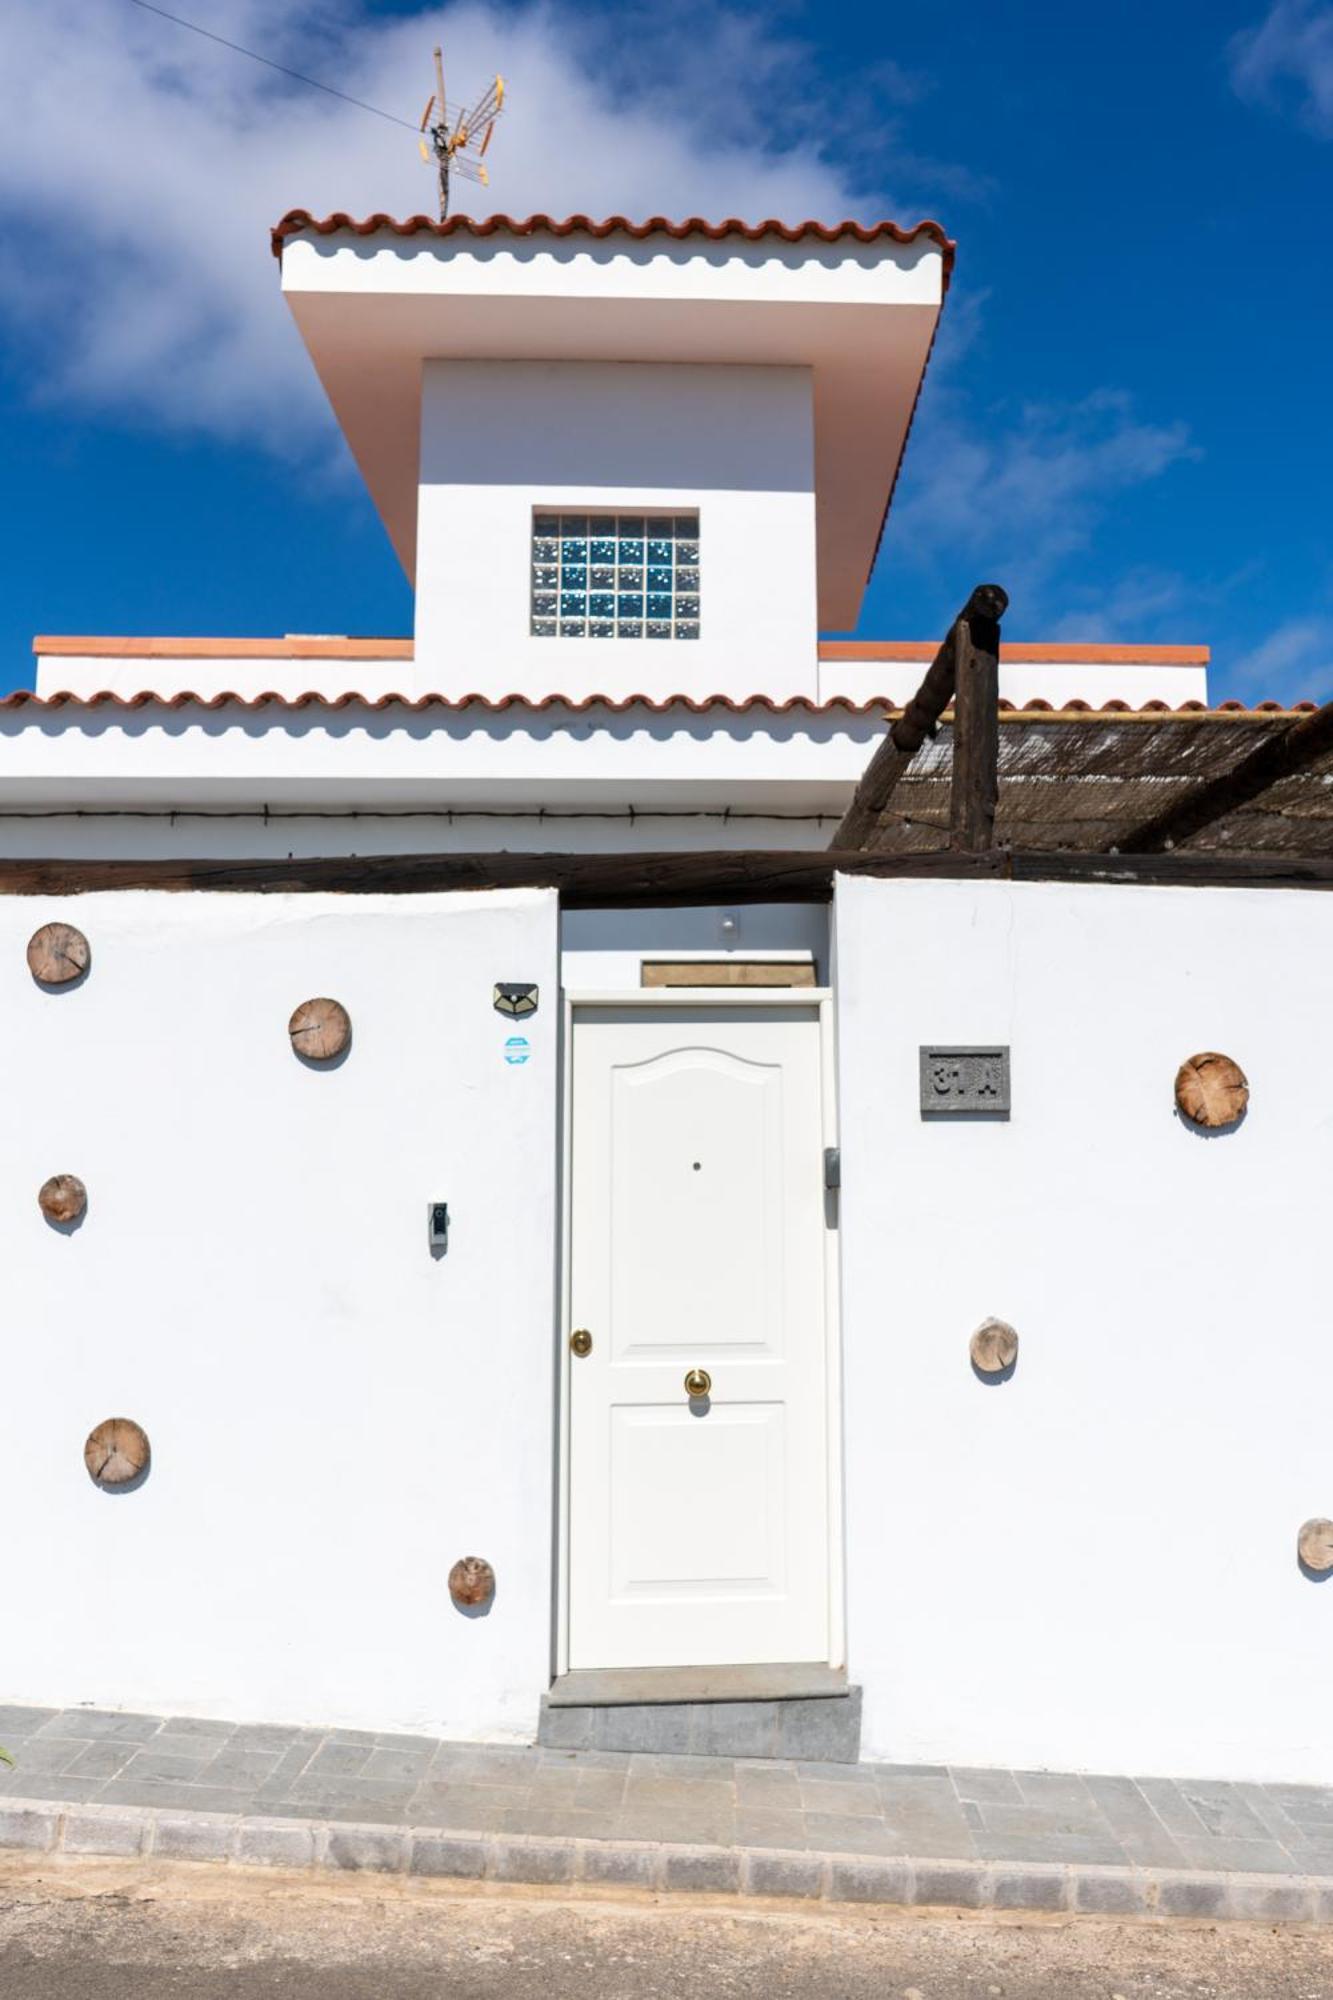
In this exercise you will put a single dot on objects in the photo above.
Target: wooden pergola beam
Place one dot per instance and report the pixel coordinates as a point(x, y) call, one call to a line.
point(660, 880)
point(976, 629)
point(1280, 756)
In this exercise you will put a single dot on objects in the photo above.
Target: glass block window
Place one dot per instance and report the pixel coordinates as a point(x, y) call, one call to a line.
point(615, 576)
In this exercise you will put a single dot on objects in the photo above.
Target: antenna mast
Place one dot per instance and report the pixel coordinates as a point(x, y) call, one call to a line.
point(461, 144)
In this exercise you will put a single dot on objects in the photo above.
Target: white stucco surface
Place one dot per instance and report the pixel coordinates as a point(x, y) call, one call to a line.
point(335, 1416)
point(501, 440)
point(1092, 1565)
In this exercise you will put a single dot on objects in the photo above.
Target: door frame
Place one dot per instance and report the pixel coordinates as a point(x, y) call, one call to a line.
point(818, 1000)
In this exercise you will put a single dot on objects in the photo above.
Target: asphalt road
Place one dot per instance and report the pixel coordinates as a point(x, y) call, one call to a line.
point(106, 1931)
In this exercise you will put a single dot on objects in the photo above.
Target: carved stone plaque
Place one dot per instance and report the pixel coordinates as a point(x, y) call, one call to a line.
point(960, 1079)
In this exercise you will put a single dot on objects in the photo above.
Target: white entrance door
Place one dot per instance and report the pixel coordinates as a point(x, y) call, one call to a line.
point(698, 1521)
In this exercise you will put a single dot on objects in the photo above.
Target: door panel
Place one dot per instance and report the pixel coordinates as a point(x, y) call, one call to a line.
point(698, 1527)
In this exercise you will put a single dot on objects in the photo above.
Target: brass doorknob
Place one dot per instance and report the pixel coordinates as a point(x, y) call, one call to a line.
point(581, 1341)
point(698, 1383)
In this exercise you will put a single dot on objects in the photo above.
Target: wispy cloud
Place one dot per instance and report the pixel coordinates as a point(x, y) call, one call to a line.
point(141, 167)
point(1294, 662)
point(1019, 493)
point(1286, 62)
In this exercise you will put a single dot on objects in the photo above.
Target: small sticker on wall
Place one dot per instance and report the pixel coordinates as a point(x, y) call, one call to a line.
point(517, 1049)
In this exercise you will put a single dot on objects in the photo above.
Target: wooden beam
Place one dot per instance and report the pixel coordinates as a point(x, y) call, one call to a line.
point(1279, 756)
point(975, 776)
point(920, 719)
point(660, 880)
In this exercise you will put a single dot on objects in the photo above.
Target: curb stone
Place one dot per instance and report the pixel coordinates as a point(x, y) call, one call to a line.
point(144, 1833)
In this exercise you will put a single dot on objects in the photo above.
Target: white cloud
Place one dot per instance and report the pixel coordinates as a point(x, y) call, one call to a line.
point(1020, 493)
point(1287, 59)
point(141, 168)
point(1294, 662)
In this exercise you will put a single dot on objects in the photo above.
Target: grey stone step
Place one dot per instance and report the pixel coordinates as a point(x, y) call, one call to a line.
point(819, 1728)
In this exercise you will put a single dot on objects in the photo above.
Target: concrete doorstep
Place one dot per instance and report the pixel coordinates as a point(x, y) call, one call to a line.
point(143, 1833)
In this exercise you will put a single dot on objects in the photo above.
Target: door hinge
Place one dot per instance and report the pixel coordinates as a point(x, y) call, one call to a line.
point(832, 1166)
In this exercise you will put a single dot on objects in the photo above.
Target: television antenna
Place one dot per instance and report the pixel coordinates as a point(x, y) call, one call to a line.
point(458, 139)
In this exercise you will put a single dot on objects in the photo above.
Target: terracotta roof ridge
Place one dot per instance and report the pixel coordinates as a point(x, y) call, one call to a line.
point(298, 219)
point(616, 705)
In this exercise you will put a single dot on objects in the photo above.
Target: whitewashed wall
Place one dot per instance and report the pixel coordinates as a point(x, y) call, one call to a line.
point(334, 1415)
point(734, 443)
point(1094, 1564)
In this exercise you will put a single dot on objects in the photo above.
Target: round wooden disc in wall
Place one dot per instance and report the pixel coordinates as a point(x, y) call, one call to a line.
point(116, 1452)
point(57, 953)
point(1314, 1545)
point(994, 1347)
point(1211, 1090)
point(320, 1030)
point(63, 1198)
point(471, 1581)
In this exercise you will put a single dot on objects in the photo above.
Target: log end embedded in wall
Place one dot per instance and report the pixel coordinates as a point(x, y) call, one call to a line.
point(1212, 1091)
point(471, 1583)
point(1314, 1547)
point(320, 1030)
point(58, 955)
point(994, 1350)
point(117, 1454)
point(62, 1199)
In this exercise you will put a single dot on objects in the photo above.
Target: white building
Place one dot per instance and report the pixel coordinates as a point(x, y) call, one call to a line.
point(691, 1371)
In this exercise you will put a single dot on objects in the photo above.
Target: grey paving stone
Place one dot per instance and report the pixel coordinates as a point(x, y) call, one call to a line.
point(1008, 1828)
point(870, 1882)
point(642, 1794)
point(1171, 1806)
point(538, 1861)
point(45, 1755)
point(402, 1767)
point(369, 1799)
point(767, 1788)
point(398, 1739)
point(1056, 1792)
point(443, 1854)
point(366, 1738)
point(1094, 1849)
point(339, 1760)
point(851, 1833)
point(1302, 1802)
point(16, 1720)
point(1262, 1857)
point(1134, 1823)
point(1113, 1892)
point(946, 1834)
point(956, 1885)
point(149, 1763)
point(239, 1770)
point(484, 1764)
point(157, 1794)
point(104, 1833)
point(564, 1728)
point(293, 1761)
point(631, 1867)
point(1191, 1895)
point(689, 1829)
point(92, 1723)
point(825, 1795)
point(756, 1828)
point(264, 1843)
point(569, 1820)
point(265, 1736)
point(783, 1875)
point(28, 1826)
point(1029, 1889)
point(986, 1787)
point(1223, 1811)
point(193, 1837)
point(716, 1872)
point(61, 1786)
point(584, 1791)
point(663, 1726)
point(173, 1743)
point(369, 1847)
point(200, 1726)
point(911, 1771)
point(469, 1809)
point(710, 1770)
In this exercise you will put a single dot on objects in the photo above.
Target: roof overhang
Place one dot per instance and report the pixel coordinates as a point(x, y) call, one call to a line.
point(858, 306)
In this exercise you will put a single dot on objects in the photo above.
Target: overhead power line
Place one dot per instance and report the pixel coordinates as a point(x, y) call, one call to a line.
point(268, 63)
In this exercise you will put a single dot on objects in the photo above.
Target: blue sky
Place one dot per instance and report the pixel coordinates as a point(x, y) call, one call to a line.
point(1129, 415)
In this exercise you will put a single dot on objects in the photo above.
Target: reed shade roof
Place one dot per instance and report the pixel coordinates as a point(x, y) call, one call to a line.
point(1084, 780)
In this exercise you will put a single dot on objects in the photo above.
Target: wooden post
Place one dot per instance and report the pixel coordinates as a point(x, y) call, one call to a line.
point(974, 792)
point(977, 625)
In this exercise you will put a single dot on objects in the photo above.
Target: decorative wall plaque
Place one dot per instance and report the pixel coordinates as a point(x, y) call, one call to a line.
point(994, 1347)
point(63, 1198)
point(57, 954)
point(471, 1581)
point(1314, 1545)
point(320, 1030)
point(961, 1079)
point(116, 1452)
point(1212, 1090)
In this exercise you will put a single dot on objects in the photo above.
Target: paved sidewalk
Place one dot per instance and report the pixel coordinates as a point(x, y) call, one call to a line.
point(988, 1838)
